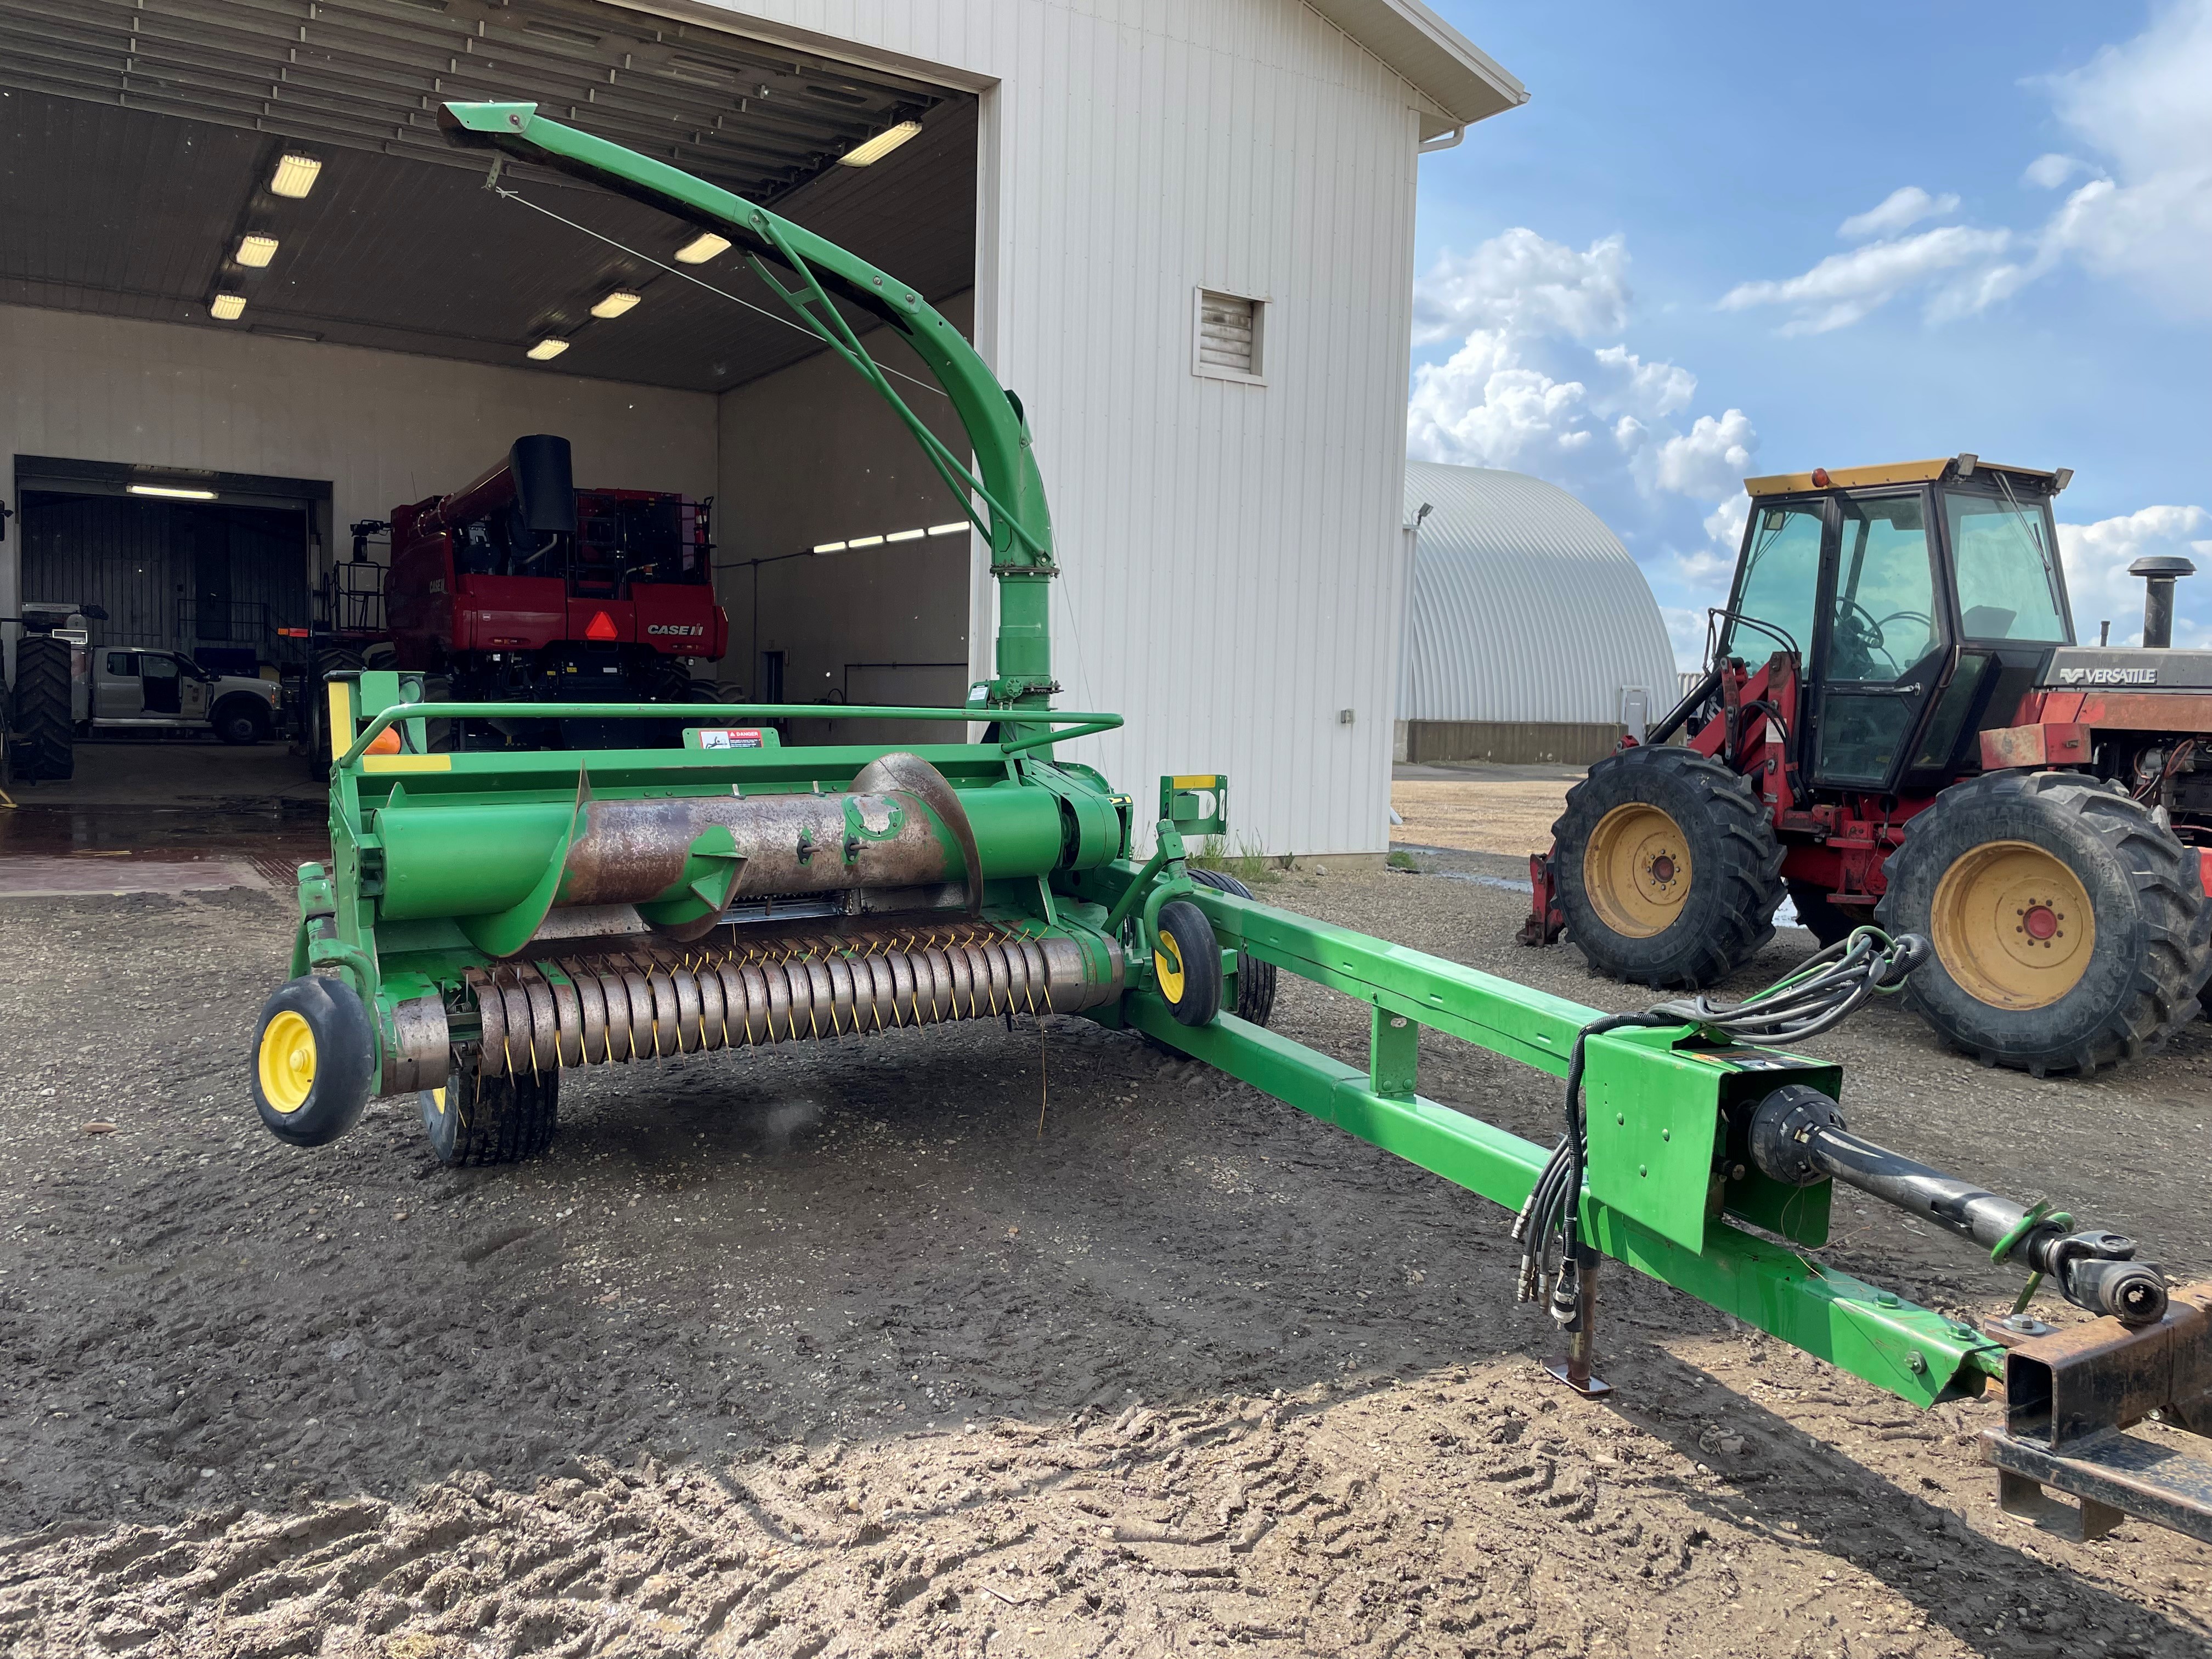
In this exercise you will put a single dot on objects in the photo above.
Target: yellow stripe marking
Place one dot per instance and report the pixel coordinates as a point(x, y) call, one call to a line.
point(406, 763)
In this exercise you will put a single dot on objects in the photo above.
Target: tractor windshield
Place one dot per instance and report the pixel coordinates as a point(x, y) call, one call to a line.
point(2005, 554)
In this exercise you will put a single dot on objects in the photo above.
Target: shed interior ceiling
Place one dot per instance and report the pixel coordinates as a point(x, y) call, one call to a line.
point(131, 163)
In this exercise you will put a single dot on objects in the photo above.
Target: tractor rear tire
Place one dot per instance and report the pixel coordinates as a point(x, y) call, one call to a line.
point(479, 1120)
point(1256, 979)
point(45, 741)
point(2071, 931)
point(1668, 870)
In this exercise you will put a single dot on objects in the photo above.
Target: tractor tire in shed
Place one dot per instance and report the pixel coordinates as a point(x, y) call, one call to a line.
point(1669, 872)
point(2071, 931)
point(45, 740)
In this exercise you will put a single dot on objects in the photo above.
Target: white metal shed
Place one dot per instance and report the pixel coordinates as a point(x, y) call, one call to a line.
point(1530, 633)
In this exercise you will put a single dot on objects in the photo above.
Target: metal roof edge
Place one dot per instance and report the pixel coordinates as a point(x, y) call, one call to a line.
point(1432, 55)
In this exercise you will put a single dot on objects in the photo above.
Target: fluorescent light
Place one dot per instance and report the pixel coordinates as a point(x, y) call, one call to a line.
point(255, 250)
point(906, 535)
point(881, 145)
point(296, 175)
point(829, 547)
point(948, 529)
point(227, 307)
point(865, 541)
point(615, 303)
point(702, 247)
point(170, 493)
point(546, 349)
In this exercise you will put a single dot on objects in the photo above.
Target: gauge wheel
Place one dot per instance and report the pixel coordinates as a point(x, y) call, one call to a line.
point(1669, 872)
point(1186, 963)
point(1256, 979)
point(2070, 929)
point(314, 1061)
point(478, 1119)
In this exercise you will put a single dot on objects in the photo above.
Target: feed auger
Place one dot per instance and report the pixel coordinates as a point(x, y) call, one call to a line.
point(490, 919)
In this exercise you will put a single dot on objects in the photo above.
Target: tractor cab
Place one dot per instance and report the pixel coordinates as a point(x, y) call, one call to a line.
point(1920, 600)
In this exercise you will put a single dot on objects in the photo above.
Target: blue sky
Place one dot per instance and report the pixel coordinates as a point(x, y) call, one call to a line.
point(1731, 239)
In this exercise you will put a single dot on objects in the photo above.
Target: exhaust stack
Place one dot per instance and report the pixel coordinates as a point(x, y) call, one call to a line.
point(2159, 572)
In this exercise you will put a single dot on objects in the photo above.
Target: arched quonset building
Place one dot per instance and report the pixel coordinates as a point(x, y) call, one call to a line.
point(1531, 634)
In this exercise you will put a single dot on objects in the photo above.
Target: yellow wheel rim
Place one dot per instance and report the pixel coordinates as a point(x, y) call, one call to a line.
point(2012, 925)
point(1167, 962)
point(287, 1061)
point(1636, 870)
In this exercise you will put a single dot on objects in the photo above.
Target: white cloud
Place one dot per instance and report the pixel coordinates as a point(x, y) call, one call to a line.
point(2097, 556)
point(1525, 389)
point(1896, 211)
point(1520, 282)
point(2145, 218)
point(1845, 287)
point(2049, 172)
point(1685, 630)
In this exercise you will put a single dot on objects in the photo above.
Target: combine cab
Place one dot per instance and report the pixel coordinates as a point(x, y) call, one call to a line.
point(1895, 725)
point(522, 588)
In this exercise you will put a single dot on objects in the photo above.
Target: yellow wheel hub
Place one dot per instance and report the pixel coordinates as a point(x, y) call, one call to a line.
point(1636, 869)
point(1167, 962)
point(2012, 925)
point(287, 1061)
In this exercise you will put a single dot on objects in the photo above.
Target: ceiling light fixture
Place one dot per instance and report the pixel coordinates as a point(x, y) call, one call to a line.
point(701, 248)
point(865, 541)
point(169, 492)
point(906, 535)
point(546, 349)
point(882, 144)
point(255, 250)
point(296, 175)
point(615, 303)
point(948, 529)
point(829, 547)
point(227, 307)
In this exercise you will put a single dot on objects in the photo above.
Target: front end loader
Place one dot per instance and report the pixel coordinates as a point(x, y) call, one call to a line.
point(1894, 725)
point(490, 921)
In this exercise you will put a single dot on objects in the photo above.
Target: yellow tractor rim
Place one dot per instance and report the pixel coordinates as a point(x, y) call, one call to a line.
point(2012, 925)
point(287, 1061)
point(1636, 869)
point(1167, 962)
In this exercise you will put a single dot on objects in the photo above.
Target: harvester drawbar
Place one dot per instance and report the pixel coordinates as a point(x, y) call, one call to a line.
point(489, 920)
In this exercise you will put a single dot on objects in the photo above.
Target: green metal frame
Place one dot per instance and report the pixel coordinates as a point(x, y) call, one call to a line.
point(1665, 1192)
point(1017, 525)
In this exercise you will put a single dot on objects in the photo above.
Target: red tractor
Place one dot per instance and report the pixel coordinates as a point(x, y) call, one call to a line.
point(1895, 725)
point(522, 587)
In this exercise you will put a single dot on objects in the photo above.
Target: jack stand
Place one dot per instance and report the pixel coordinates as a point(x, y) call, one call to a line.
point(1581, 1334)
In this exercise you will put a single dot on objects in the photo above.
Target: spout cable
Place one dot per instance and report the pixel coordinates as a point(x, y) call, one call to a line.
point(1825, 990)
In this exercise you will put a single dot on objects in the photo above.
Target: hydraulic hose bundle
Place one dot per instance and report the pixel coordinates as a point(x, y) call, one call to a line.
point(1819, 995)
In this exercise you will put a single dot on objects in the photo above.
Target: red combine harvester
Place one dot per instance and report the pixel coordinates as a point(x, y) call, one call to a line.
point(1895, 725)
point(522, 587)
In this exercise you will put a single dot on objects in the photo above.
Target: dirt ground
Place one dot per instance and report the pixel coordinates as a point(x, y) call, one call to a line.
point(1471, 808)
point(833, 1350)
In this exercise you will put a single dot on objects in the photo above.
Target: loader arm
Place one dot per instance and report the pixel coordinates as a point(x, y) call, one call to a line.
point(1015, 518)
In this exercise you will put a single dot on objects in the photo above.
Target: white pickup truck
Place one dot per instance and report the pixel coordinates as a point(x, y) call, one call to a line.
point(165, 689)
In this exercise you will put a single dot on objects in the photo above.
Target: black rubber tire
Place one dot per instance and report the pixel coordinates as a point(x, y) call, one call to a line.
point(1185, 932)
point(45, 740)
point(479, 1120)
point(1818, 917)
point(1256, 979)
point(1728, 916)
point(239, 720)
point(344, 1060)
point(2154, 923)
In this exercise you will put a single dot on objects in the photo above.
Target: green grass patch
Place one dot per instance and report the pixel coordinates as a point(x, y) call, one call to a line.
point(1248, 864)
point(1402, 862)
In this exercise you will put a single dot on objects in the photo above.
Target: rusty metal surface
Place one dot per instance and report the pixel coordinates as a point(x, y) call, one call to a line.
point(900, 769)
point(2166, 1481)
point(421, 1049)
point(2070, 1400)
point(2087, 1378)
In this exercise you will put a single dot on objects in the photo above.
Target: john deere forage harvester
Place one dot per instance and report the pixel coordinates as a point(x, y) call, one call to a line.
point(489, 920)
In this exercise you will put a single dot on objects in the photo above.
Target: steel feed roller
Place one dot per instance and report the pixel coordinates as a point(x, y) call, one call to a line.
point(649, 1002)
point(491, 917)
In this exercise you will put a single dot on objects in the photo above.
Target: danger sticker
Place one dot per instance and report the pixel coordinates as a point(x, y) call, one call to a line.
point(729, 737)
